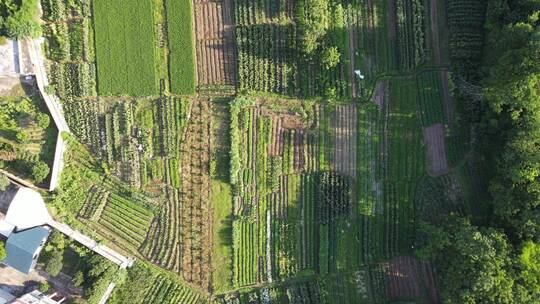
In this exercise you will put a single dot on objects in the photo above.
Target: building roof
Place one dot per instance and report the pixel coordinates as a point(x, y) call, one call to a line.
point(5, 297)
point(27, 210)
point(22, 246)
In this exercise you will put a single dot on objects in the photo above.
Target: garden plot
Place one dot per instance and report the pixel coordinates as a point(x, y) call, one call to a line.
point(125, 47)
point(216, 58)
point(345, 126)
point(436, 151)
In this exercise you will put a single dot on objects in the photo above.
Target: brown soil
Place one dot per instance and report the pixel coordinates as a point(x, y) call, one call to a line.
point(344, 124)
point(214, 28)
point(408, 278)
point(434, 139)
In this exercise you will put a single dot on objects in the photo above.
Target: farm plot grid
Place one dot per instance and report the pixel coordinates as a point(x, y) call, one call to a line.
point(125, 47)
point(325, 194)
point(152, 146)
point(296, 199)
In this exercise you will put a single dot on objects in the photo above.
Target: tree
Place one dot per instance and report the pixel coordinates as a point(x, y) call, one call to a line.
point(4, 182)
point(43, 120)
point(330, 57)
point(529, 264)
point(3, 252)
point(314, 24)
point(78, 279)
point(19, 19)
point(44, 286)
point(55, 263)
point(473, 263)
point(40, 171)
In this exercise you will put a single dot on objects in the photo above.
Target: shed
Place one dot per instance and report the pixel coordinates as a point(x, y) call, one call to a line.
point(23, 248)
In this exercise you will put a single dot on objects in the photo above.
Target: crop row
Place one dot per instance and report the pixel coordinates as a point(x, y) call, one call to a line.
point(430, 98)
point(165, 290)
point(411, 38)
point(56, 10)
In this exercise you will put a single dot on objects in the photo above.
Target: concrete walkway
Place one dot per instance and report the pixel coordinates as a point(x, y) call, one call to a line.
point(84, 240)
point(107, 293)
point(53, 104)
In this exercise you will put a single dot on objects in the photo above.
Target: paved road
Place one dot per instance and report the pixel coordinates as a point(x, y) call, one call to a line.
point(84, 240)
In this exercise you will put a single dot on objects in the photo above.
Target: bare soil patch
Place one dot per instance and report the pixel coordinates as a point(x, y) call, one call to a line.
point(434, 139)
point(408, 278)
point(344, 124)
point(216, 54)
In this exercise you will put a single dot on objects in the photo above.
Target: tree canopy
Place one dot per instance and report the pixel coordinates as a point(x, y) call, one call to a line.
point(19, 19)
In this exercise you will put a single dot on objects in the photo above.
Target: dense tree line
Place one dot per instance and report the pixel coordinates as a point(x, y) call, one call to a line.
point(497, 260)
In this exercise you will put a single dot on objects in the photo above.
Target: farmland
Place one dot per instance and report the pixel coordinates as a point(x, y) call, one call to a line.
point(265, 151)
point(117, 51)
point(181, 48)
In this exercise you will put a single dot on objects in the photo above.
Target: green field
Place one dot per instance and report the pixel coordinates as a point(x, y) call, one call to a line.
point(124, 32)
point(181, 46)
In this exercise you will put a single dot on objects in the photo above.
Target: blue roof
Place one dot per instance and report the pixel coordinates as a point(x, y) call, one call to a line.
point(21, 247)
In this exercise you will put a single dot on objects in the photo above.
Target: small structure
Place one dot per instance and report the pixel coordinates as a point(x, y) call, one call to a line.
point(36, 297)
point(23, 248)
point(22, 225)
point(25, 210)
point(6, 297)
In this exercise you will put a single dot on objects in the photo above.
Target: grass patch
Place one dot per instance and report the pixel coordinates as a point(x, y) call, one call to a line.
point(222, 251)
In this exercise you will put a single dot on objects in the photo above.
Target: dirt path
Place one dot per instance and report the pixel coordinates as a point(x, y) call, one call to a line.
point(448, 102)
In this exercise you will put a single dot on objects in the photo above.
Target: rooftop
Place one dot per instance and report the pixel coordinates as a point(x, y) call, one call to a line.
point(23, 246)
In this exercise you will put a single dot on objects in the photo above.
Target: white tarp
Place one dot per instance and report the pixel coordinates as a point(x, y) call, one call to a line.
point(27, 210)
point(6, 228)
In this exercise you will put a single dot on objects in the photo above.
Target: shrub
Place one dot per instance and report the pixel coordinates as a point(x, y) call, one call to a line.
point(78, 279)
point(54, 264)
point(40, 171)
point(330, 57)
point(3, 252)
point(43, 120)
point(4, 182)
point(44, 286)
